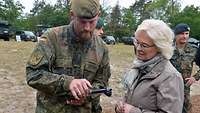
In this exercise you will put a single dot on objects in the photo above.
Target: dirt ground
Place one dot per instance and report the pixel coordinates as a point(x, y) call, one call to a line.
point(17, 97)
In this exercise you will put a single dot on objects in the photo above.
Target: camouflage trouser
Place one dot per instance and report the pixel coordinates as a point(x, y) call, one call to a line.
point(187, 104)
point(96, 107)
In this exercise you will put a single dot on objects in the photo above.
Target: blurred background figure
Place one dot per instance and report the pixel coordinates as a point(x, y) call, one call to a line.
point(96, 107)
point(183, 60)
point(99, 27)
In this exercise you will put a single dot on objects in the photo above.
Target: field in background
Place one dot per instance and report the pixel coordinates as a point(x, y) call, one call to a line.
point(17, 97)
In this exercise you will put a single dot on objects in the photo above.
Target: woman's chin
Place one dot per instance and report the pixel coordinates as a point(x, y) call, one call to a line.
point(141, 58)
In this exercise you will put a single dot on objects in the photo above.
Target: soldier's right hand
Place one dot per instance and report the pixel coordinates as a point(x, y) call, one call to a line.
point(80, 88)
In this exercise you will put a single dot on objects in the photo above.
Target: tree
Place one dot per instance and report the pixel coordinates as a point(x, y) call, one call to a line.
point(157, 9)
point(164, 9)
point(62, 13)
point(189, 15)
point(37, 7)
point(50, 15)
point(115, 23)
point(128, 22)
point(139, 10)
point(10, 11)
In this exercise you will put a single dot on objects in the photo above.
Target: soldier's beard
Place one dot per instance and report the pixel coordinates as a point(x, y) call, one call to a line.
point(85, 35)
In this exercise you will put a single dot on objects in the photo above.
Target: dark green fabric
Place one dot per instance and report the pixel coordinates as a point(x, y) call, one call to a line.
point(100, 23)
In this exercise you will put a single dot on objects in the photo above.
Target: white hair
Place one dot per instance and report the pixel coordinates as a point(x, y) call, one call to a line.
point(161, 34)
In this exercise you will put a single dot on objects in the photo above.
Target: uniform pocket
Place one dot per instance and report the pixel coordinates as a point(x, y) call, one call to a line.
point(90, 70)
point(91, 67)
point(59, 62)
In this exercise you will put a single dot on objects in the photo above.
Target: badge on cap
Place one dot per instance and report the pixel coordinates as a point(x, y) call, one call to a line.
point(188, 28)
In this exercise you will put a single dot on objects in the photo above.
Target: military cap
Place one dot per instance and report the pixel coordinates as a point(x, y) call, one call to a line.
point(182, 27)
point(100, 23)
point(85, 8)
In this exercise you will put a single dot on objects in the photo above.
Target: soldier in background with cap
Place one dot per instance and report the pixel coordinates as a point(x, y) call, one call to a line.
point(96, 106)
point(99, 27)
point(68, 61)
point(197, 57)
point(183, 59)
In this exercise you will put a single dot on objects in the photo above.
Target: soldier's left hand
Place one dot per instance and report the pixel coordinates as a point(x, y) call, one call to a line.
point(190, 81)
point(80, 88)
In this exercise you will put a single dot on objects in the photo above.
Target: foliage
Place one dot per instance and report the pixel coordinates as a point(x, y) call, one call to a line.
point(189, 15)
point(129, 22)
point(46, 14)
point(114, 24)
point(119, 21)
point(139, 11)
point(10, 11)
point(163, 9)
point(157, 9)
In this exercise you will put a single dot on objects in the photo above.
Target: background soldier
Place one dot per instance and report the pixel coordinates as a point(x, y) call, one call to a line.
point(183, 58)
point(96, 107)
point(197, 58)
point(99, 27)
point(68, 61)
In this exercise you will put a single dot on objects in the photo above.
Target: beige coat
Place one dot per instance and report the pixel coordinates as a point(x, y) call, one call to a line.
point(161, 90)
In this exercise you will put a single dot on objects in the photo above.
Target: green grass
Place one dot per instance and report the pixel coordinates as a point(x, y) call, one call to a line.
point(121, 52)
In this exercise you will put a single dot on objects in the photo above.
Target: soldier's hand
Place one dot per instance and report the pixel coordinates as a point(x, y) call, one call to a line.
point(80, 88)
point(190, 81)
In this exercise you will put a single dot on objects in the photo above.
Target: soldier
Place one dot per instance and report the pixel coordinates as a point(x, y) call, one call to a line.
point(96, 107)
point(68, 61)
point(182, 59)
point(99, 27)
point(197, 57)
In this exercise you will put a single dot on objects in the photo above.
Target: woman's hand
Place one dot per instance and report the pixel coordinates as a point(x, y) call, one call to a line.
point(122, 107)
point(119, 107)
point(128, 108)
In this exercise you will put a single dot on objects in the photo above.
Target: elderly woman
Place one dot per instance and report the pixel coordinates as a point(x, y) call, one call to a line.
point(156, 86)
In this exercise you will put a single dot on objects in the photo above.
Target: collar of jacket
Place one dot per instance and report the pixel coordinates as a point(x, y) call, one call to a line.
point(154, 69)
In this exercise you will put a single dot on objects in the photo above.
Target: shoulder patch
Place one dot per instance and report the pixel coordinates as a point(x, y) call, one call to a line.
point(36, 58)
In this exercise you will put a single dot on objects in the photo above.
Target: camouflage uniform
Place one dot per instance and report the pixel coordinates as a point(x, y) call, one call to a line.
point(59, 58)
point(197, 57)
point(183, 62)
point(96, 107)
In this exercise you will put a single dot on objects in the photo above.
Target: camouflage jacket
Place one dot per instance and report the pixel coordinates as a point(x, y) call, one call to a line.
point(197, 57)
point(183, 62)
point(59, 58)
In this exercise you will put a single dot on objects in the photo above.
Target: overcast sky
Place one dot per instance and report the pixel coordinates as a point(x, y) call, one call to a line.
point(123, 3)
